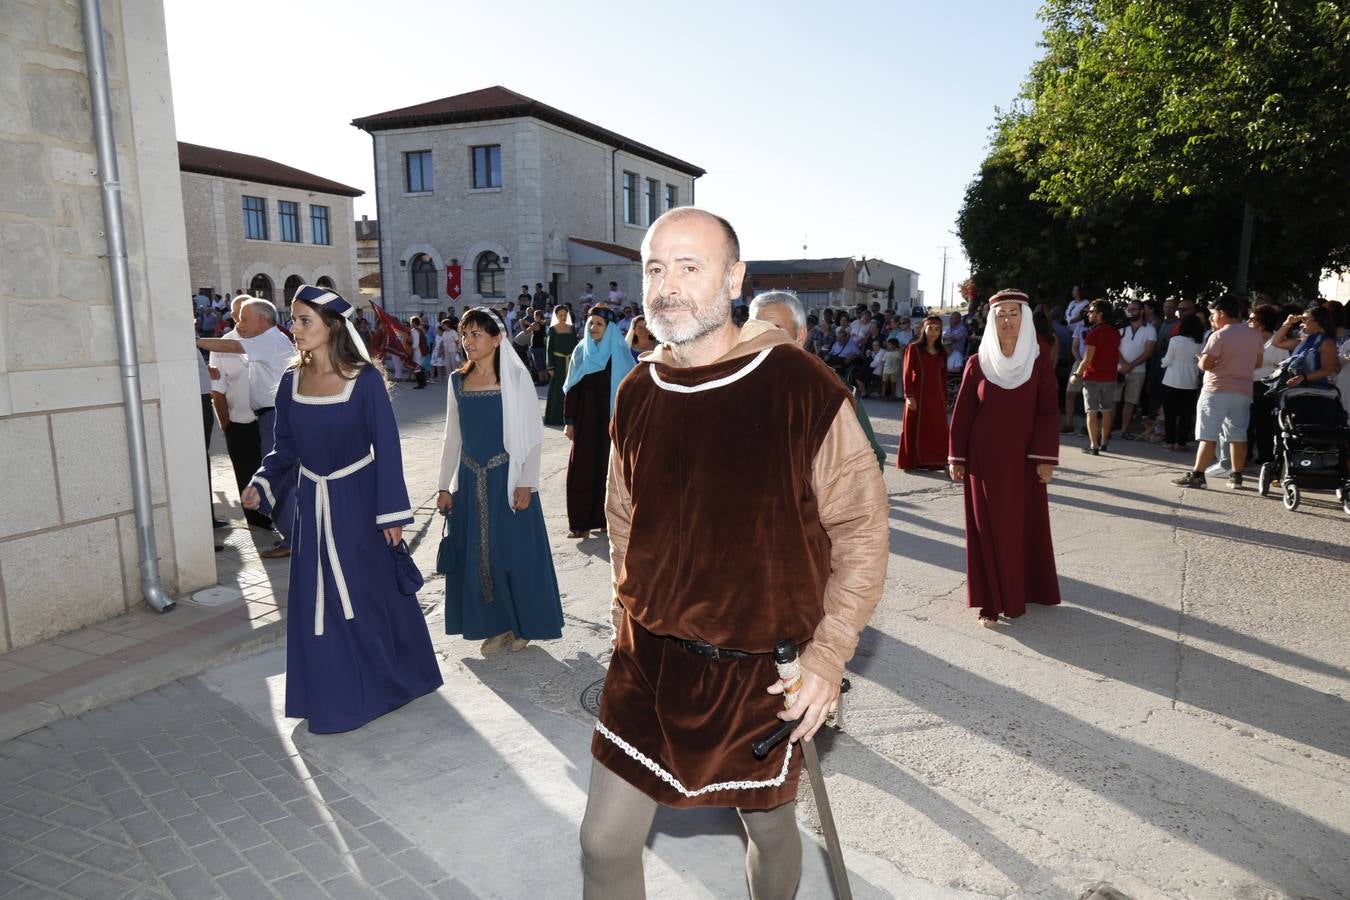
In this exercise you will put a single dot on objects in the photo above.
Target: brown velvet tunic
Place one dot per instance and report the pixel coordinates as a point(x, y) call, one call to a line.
point(715, 466)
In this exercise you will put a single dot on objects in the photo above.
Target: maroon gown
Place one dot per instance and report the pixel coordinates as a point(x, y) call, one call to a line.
point(923, 436)
point(586, 408)
point(1000, 436)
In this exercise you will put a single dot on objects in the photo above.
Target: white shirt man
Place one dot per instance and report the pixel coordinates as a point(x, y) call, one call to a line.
point(269, 355)
point(615, 293)
point(1077, 309)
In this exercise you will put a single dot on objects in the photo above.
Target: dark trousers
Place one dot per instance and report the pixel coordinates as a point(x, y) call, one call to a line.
point(245, 448)
point(1261, 431)
point(1179, 414)
point(208, 418)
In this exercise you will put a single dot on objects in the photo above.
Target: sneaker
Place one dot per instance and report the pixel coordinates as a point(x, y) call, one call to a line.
point(1090, 451)
point(1191, 479)
point(1235, 480)
point(1104, 445)
point(1218, 470)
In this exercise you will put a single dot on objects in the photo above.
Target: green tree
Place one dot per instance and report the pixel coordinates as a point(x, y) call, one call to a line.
point(1240, 106)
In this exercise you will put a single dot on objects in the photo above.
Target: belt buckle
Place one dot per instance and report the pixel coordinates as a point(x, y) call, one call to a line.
point(713, 652)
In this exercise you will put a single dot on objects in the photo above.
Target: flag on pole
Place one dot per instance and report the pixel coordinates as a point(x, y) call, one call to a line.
point(397, 337)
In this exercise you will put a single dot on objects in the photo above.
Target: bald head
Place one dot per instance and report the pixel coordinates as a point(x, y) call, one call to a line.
point(694, 215)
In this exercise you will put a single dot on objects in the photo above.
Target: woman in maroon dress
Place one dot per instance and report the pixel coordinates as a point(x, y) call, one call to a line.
point(1004, 447)
point(923, 437)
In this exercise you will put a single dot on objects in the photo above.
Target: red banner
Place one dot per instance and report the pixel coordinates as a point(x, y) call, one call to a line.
point(391, 336)
point(452, 274)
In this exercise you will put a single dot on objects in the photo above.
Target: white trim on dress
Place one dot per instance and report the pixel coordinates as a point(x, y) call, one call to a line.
point(393, 517)
point(1053, 459)
point(715, 383)
point(332, 398)
point(267, 489)
point(674, 782)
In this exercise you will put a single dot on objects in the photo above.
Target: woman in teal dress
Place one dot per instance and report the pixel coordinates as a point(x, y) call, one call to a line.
point(561, 341)
point(500, 585)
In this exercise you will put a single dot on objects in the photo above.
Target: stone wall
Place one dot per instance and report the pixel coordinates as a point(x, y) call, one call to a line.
point(555, 185)
point(68, 551)
point(223, 260)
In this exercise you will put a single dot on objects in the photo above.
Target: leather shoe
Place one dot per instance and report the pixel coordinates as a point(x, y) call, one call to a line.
point(276, 551)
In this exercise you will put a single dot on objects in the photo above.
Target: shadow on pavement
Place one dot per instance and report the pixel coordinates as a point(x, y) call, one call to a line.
point(1275, 843)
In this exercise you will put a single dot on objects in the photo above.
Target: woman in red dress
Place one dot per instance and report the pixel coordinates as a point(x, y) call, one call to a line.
point(1004, 448)
point(923, 438)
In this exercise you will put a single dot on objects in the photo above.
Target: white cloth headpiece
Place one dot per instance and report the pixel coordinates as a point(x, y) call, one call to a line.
point(1009, 372)
point(522, 423)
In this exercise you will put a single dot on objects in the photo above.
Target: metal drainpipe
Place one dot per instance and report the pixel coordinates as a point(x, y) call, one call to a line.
point(126, 321)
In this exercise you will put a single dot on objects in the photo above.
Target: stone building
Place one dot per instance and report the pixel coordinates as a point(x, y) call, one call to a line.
point(68, 549)
point(264, 228)
point(835, 281)
point(513, 192)
point(368, 255)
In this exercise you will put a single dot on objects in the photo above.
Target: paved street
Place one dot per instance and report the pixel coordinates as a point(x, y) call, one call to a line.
point(1177, 728)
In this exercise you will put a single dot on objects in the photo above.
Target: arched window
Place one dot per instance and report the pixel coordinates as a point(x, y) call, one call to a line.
point(261, 287)
point(424, 277)
point(292, 285)
point(490, 275)
point(325, 282)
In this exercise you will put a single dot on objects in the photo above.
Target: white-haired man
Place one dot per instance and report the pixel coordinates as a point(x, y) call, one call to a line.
point(270, 352)
point(692, 681)
point(784, 309)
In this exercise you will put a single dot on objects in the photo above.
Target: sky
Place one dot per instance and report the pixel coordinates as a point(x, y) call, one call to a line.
point(852, 128)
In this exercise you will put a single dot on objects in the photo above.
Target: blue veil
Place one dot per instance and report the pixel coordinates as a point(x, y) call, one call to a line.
point(592, 356)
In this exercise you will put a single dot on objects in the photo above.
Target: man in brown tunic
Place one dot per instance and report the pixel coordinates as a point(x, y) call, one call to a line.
point(744, 507)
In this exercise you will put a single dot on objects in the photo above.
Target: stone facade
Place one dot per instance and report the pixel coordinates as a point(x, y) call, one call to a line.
point(555, 185)
point(223, 261)
point(67, 538)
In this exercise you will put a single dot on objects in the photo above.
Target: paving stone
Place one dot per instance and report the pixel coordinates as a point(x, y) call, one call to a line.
point(243, 832)
point(124, 804)
point(217, 858)
point(177, 763)
point(173, 805)
point(108, 781)
point(341, 836)
point(329, 789)
point(309, 812)
point(51, 782)
point(46, 870)
point(197, 784)
point(75, 816)
point(95, 759)
point(64, 841)
point(285, 787)
point(74, 735)
point(346, 887)
point(22, 827)
point(91, 883)
point(194, 831)
point(12, 852)
point(134, 760)
point(321, 861)
point(219, 765)
point(451, 889)
point(373, 867)
point(263, 808)
point(403, 889)
point(152, 781)
point(25, 890)
point(354, 811)
point(145, 827)
point(191, 884)
point(197, 745)
point(110, 857)
point(218, 731)
point(166, 856)
point(35, 803)
point(81, 793)
point(299, 887)
point(290, 833)
point(271, 861)
point(422, 868)
point(261, 766)
point(385, 837)
point(244, 885)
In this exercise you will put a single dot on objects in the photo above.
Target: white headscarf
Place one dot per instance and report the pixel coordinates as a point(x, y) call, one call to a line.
point(1009, 372)
point(522, 424)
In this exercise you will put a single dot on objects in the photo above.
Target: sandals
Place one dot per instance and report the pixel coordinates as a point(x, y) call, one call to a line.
point(496, 644)
point(578, 535)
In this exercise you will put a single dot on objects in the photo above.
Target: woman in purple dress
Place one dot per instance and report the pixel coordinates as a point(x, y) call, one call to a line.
point(357, 646)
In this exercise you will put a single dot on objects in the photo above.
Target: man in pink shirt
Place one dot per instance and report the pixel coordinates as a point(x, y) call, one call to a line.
point(1230, 356)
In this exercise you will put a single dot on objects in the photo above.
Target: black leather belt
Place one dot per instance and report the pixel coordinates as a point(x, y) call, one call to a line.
point(708, 651)
point(265, 409)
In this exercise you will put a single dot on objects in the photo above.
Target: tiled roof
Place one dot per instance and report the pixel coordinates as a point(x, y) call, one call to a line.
point(616, 249)
point(369, 281)
point(228, 164)
point(796, 266)
point(498, 102)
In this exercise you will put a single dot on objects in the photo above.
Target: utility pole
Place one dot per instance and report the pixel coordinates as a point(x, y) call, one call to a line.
point(942, 288)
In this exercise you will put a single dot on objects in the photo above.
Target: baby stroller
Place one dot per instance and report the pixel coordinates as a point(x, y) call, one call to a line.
point(1312, 446)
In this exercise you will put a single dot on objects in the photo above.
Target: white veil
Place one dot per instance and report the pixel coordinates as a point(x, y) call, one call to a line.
point(522, 424)
point(1009, 372)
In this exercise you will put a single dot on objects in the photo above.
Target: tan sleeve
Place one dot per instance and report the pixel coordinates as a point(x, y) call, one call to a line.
point(853, 507)
point(619, 517)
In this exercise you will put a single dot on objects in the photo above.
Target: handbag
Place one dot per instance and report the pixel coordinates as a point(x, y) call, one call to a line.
point(406, 573)
point(447, 557)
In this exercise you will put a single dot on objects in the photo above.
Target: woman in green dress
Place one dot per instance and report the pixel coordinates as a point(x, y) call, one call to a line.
point(558, 345)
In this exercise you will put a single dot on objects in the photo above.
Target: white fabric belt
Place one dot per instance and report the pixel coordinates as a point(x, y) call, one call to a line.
point(323, 530)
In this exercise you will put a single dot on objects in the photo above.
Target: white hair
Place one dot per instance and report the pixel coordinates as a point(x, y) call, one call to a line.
point(782, 298)
point(265, 308)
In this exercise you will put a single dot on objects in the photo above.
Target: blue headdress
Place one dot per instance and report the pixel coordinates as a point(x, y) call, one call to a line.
point(592, 356)
point(323, 298)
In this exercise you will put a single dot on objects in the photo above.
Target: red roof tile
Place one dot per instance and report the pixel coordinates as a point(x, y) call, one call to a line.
point(498, 102)
point(228, 164)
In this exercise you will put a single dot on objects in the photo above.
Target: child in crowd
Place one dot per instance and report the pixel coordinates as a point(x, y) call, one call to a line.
point(890, 369)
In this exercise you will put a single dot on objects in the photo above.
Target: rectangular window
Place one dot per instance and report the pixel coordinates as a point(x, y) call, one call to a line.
point(417, 167)
point(255, 218)
point(653, 200)
point(318, 224)
point(630, 198)
point(487, 166)
point(672, 196)
point(288, 217)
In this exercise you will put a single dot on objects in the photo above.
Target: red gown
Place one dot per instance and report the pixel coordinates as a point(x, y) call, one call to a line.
point(923, 436)
point(1000, 436)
